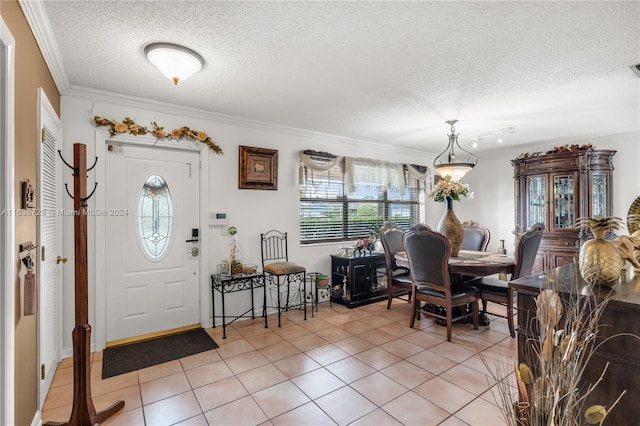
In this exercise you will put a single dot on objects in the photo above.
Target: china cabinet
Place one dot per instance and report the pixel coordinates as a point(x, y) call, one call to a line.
point(556, 189)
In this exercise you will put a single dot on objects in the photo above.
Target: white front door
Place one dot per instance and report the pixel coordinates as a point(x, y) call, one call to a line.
point(152, 260)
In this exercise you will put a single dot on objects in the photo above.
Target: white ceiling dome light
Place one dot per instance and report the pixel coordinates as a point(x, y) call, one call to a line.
point(176, 62)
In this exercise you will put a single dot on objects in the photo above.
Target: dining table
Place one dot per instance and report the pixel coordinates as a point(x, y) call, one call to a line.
point(470, 262)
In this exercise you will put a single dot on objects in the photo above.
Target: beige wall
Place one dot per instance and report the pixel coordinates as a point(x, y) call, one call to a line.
point(31, 72)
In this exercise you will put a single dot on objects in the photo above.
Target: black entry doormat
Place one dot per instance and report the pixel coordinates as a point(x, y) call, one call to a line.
point(134, 356)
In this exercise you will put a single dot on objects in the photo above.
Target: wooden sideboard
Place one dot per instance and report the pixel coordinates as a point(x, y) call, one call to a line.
point(621, 315)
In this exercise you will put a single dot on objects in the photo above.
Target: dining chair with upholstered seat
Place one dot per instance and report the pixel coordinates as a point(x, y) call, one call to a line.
point(498, 291)
point(475, 236)
point(398, 279)
point(279, 271)
point(428, 254)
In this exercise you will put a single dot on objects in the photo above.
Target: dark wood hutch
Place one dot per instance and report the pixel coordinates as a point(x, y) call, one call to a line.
point(556, 189)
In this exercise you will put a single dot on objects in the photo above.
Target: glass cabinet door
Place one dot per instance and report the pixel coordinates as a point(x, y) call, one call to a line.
point(599, 194)
point(537, 200)
point(378, 277)
point(563, 202)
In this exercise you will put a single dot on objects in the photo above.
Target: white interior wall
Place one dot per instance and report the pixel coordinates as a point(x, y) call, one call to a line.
point(251, 211)
point(256, 211)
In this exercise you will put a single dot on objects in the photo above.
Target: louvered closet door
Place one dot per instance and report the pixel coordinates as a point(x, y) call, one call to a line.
point(49, 245)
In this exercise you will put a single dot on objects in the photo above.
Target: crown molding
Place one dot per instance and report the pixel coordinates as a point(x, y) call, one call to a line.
point(93, 95)
point(39, 23)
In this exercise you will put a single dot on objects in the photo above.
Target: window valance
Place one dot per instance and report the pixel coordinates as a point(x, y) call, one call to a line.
point(357, 171)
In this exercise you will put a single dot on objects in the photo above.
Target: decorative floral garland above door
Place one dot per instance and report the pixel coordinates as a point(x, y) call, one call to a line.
point(129, 126)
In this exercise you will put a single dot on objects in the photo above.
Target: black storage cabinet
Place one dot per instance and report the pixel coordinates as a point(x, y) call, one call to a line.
point(358, 279)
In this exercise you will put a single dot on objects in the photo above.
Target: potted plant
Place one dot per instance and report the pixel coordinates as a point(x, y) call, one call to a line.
point(322, 281)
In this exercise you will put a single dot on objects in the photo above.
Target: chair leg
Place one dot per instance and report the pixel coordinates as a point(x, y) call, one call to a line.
point(279, 302)
point(510, 313)
point(390, 294)
point(304, 295)
point(286, 306)
point(449, 322)
point(415, 311)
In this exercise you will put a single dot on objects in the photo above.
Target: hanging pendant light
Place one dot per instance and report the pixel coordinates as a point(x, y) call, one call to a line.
point(176, 62)
point(454, 167)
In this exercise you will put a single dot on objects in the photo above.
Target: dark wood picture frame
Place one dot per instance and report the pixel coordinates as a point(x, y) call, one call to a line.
point(257, 168)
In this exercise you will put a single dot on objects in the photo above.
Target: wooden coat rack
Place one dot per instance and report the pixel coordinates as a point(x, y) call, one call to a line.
point(83, 412)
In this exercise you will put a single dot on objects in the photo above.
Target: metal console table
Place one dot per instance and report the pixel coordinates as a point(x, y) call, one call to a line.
point(234, 283)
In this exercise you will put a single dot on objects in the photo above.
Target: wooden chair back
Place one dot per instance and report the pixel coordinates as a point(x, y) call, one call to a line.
point(475, 236)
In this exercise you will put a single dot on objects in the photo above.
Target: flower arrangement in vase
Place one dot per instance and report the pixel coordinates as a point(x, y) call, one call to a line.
point(448, 190)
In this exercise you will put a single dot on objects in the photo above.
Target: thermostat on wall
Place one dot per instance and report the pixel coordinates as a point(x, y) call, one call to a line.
point(218, 219)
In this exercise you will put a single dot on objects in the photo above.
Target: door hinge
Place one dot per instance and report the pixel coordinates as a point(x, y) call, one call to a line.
point(42, 372)
point(42, 137)
point(42, 253)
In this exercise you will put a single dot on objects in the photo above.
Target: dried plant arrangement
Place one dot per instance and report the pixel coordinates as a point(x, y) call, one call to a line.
point(549, 386)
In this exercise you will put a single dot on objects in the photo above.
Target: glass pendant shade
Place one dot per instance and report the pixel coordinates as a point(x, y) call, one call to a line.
point(456, 171)
point(176, 62)
point(448, 164)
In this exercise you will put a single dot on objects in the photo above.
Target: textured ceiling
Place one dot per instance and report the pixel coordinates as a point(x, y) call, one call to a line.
point(388, 72)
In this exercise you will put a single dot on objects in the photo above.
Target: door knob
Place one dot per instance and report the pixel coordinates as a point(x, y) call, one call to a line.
point(61, 259)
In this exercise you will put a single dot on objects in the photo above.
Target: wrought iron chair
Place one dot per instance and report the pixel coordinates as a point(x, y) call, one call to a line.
point(280, 271)
point(398, 279)
point(428, 254)
point(498, 291)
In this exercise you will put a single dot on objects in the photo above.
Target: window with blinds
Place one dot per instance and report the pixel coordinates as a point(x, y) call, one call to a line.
point(329, 213)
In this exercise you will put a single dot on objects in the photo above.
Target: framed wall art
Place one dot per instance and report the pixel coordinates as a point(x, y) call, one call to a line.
point(258, 168)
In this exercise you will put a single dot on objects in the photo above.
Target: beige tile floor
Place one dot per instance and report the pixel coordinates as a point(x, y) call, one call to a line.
point(361, 366)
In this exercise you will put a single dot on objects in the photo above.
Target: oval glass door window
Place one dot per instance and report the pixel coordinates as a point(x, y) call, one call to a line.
point(155, 217)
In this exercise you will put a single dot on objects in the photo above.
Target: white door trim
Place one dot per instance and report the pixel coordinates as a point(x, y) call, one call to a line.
point(7, 224)
point(101, 139)
point(205, 274)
